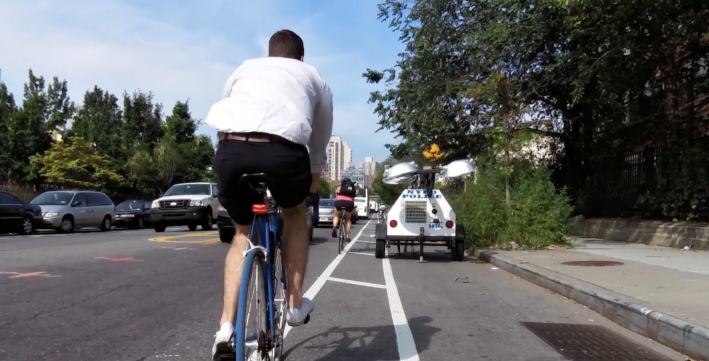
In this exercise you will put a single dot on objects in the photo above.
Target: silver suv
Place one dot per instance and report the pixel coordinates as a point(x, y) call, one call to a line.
point(67, 210)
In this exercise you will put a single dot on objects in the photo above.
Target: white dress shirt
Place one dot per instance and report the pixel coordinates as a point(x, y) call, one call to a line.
point(280, 96)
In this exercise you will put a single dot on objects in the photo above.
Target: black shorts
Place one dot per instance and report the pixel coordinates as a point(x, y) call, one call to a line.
point(287, 163)
point(349, 205)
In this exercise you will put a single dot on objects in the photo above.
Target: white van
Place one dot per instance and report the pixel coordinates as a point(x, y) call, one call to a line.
point(362, 204)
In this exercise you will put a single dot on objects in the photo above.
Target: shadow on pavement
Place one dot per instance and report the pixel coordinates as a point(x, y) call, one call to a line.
point(430, 255)
point(320, 240)
point(363, 343)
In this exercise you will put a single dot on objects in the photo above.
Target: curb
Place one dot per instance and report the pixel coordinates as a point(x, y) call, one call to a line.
point(677, 334)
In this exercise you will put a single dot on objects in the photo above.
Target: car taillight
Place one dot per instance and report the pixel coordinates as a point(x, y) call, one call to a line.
point(449, 224)
point(332, 211)
point(393, 224)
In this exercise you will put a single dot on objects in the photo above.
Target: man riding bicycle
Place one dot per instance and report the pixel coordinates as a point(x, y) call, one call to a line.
point(345, 195)
point(271, 108)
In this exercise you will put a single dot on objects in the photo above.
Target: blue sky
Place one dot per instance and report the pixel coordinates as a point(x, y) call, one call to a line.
point(186, 49)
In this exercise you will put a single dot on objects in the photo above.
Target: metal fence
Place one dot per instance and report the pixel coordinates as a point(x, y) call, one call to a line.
point(28, 191)
point(629, 185)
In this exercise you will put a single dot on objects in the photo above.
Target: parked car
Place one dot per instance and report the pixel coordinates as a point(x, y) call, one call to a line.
point(225, 225)
point(227, 228)
point(68, 210)
point(133, 214)
point(327, 211)
point(18, 216)
point(186, 204)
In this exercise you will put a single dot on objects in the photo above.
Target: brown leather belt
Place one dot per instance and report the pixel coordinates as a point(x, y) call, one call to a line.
point(251, 137)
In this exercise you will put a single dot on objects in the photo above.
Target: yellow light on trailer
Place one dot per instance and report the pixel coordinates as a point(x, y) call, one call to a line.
point(433, 153)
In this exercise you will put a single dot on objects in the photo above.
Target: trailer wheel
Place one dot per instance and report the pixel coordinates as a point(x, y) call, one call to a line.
point(380, 248)
point(458, 249)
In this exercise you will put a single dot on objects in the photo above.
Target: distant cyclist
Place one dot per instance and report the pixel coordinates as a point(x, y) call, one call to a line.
point(345, 195)
point(271, 109)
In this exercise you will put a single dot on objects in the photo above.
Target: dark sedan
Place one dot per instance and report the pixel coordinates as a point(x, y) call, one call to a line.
point(18, 216)
point(133, 214)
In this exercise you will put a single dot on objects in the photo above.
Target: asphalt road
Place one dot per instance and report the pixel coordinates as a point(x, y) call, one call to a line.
point(137, 295)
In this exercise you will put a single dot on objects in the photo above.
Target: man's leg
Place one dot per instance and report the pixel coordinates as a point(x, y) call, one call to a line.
point(232, 273)
point(335, 222)
point(348, 223)
point(295, 253)
point(230, 163)
point(293, 179)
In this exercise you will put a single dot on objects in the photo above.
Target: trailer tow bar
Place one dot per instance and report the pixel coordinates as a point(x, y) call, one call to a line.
point(421, 240)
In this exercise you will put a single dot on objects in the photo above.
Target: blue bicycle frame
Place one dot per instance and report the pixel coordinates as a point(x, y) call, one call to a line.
point(267, 227)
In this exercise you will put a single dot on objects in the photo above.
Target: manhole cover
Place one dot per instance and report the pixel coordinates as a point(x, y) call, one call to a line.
point(593, 263)
point(591, 343)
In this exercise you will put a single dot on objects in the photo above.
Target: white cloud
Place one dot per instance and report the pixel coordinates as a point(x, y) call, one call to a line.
point(177, 52)
point(114, 46)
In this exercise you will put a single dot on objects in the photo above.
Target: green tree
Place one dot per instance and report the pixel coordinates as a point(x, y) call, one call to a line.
point(155, 168)
point(76, 163)
point(181, 127)
point(388, 194)
point(42, 116)
point(598, 78)
point(8, 111)
point(99, 121)
point(324, 188)
point(60, 109)
point(198, 157)
point(196, 151)
point(142, 120)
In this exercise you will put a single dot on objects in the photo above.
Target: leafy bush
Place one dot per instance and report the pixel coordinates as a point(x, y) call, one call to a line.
point(536, 216)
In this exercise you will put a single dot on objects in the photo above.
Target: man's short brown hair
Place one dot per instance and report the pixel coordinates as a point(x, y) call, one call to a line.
point(286, 44)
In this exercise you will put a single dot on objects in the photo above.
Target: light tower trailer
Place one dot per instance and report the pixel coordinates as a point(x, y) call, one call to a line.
point(421, 215)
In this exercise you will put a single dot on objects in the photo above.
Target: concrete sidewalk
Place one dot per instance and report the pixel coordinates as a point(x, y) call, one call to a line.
point(661, 293)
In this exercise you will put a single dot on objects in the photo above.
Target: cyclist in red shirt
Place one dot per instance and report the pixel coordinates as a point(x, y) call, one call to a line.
point(345, 195)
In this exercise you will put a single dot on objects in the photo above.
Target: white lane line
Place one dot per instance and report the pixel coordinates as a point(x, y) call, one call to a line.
point(363, 253)
point(404, 337)
point(320, 281)
point(358, 283)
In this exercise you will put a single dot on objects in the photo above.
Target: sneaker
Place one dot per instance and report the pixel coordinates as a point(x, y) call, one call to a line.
point(334, 233)
point(221, 340)
point(296, 316)
point(349, 240)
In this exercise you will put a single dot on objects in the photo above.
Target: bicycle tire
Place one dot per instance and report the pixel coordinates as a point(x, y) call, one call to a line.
point(279, 292)
point(254, 260)
point(340, 241)
point(341, 235)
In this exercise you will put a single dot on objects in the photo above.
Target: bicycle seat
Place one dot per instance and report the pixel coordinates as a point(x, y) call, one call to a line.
point(257, 181)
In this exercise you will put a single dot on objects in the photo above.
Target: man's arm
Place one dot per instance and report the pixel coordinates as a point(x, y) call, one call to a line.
point(320, 136)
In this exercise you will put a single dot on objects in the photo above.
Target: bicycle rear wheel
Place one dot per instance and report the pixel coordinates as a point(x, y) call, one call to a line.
point(251, 331)
point(341, 236)
point(280, 303)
